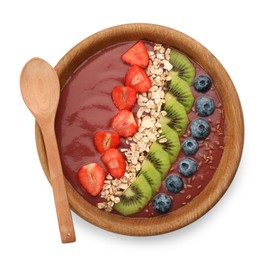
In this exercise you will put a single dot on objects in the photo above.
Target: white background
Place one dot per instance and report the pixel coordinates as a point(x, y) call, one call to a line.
point(238, 33)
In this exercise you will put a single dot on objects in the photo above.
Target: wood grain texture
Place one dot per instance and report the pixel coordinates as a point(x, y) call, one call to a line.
point(234, 129)
point(41, 92)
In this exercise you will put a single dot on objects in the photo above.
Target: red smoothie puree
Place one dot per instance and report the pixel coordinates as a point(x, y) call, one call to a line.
point(86, 107)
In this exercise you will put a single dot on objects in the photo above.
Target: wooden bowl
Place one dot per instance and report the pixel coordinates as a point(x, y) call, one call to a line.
point(234, 136)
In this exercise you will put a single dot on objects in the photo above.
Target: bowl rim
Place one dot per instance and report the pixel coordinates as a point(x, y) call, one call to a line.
point(234, 132)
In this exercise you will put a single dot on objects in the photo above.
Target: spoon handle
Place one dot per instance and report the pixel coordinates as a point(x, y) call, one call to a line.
point(65, 221)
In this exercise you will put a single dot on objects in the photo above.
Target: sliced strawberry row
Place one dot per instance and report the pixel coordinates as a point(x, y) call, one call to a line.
point(92, 176)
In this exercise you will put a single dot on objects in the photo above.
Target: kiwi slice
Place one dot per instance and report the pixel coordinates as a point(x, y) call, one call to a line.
point(181, 66)
point(172, 146)
point(181, 91)
point(160, 159)
point(150, 173)
point(176, 116)
point(135, 197)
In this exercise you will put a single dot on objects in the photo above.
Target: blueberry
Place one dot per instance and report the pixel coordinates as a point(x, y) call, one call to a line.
point(190, 146)
point(200, 128)
point(174, 183)
point(204, 106)
point(162, 203)
point(187, 167)
point(202, 84)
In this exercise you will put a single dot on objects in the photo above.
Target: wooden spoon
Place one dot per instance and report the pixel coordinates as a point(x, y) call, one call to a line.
point(40, 90)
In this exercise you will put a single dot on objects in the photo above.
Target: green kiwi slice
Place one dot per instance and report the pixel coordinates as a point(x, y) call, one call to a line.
point(135, 197)
point(160, 159)
point(150, 173)
point(181, 66)
point(181, 91)
point(176, 117)
point(172, 146)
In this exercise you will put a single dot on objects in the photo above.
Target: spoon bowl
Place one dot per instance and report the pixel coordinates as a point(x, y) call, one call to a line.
point(42, 101)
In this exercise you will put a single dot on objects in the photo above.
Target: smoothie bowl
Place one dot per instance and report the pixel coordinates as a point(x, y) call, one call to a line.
point(149, 128)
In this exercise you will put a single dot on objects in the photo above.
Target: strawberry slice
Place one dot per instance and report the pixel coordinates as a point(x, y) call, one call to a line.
point(114, 162)
point(137, 79)
point(124, 123)
point(91, 177)
point(106, 140)
point(124, 97)
point(137, 55)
